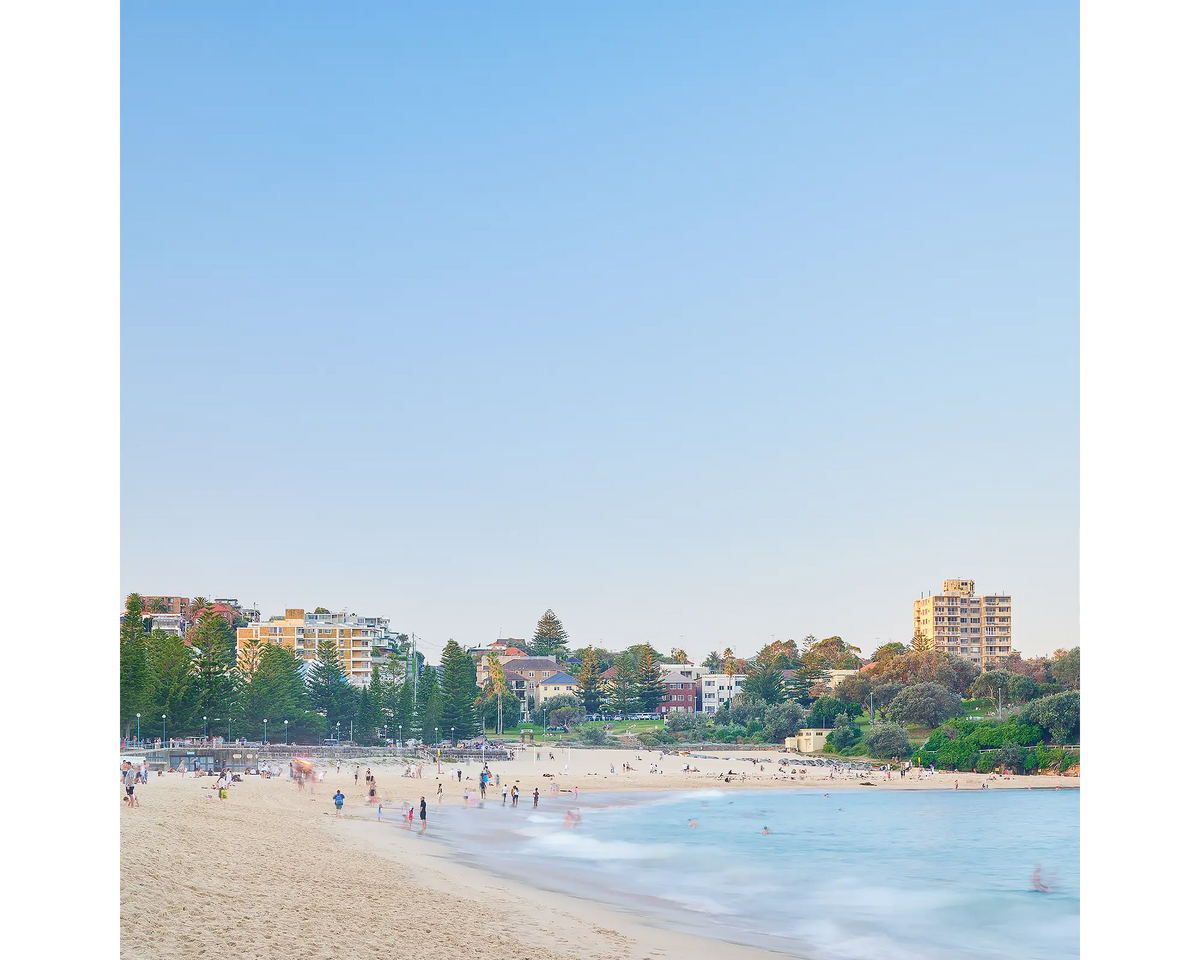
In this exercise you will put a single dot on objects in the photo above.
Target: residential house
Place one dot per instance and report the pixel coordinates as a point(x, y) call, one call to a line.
point(558, 685)
point(532, 668)
point(680, 695)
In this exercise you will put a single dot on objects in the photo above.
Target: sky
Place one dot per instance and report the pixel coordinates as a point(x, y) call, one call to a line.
point(701, 324)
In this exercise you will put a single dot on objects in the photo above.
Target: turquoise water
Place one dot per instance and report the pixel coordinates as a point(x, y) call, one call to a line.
point(896, 874)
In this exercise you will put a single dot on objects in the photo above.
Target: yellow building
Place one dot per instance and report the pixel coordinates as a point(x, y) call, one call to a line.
point(958, 622)
point(807, 741)
point(355, 637)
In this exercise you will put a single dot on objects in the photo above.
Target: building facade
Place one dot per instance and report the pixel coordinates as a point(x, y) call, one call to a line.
point(356, 637)
point(716, 688)
point(960, 623)
point(679, 695)
point(807, 741)
point(556, 685)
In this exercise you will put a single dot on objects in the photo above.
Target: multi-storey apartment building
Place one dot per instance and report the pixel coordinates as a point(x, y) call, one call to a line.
point(958, 622)
point(679, 694)
point(355, 637)
point(716, 688)
point(172, 606)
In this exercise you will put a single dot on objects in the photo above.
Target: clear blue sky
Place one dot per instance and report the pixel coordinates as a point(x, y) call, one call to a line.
point(709, 321)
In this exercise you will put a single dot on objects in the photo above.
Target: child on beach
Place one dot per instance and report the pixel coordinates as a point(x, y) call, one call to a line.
point(338, 800)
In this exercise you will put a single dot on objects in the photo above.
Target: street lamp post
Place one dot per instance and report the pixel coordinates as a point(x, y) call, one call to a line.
point(164, 729)
point(230, 731)
point(543, 723)
point(452, 736)
point(139, 718)
point(285, 723)
point(264, 730)
point(206, 728)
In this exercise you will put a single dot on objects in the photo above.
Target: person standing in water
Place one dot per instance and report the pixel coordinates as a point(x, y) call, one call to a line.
point(423, 813)
point(535, 797)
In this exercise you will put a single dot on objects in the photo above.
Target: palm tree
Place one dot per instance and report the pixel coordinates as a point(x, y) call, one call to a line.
point(198, 605)
point(729, 670)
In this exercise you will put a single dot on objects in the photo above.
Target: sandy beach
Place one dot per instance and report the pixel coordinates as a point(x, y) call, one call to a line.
point(272, 872)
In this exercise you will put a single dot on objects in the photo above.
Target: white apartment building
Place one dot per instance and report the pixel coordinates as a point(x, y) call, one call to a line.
point(958, 622)
point(688, 670)
point(716, 688)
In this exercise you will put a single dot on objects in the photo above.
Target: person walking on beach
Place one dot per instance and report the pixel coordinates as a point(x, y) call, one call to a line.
point(483, 786)
point(535, 797)
point(439, 793)
point(515, 795)
point(423, 822)
point(127, 783)
point(338, 800)
point(356, 776)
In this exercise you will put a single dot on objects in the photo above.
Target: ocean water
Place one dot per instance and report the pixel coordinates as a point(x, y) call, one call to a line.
point(857, 875)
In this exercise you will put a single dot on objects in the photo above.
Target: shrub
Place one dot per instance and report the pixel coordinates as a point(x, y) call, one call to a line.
point(986, 762)
point(1031, 762)
point(593, 736)
point(1011, 755)
point(1058, 714)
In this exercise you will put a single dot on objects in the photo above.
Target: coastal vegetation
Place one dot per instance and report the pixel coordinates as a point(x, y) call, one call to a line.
point(906, 700)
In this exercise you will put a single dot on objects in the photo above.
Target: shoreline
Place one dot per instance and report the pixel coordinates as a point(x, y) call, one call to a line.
point(273, 872)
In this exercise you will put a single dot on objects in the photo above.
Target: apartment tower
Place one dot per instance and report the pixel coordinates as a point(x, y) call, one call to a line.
point(958, 622)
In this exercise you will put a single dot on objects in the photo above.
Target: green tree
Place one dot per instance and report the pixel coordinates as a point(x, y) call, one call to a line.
point(1065, 668)
point(782, 720)
point(797, 685)
point(679, 655)
point(622, 690)
point(856, 688)
point(175, 691)
point(320, 610)
point(157, 605)
point(429, 706)
point(712, 661)
point(588, 676)
point(1058, 715)
point(137, 678)
point(887, 740)
point(459, 692)
point(928, 704)
point(888, 650)
point(825, 710)
point(649, 682)
point(990, 683)
point(921, 643)
point(281, 695)
point(510, 710)
point(550, 638)
point(764, 680)
point(213, 664)
point(369, 719)
point(832, 653)
point(329, 691)
point(843, 735)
